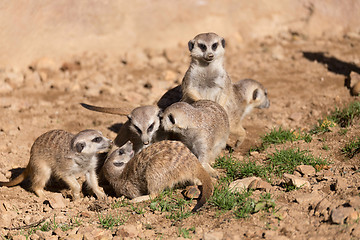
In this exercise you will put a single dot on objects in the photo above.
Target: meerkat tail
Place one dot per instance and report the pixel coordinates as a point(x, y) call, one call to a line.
point(207, 187)
point(123, 111)
point(16, 180)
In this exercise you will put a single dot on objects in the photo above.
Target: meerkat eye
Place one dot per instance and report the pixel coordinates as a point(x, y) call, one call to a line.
point(214, 46)
point(138, 129)
point(202, 47)
point(121, 151)
point(118, 164)
point(151, 127)
point(97, 139)
point(171, 118)
point(255, 94)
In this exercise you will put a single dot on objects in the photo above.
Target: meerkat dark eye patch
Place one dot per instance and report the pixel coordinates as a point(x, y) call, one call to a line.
point(223, 43)
point(256, 94)
point(121, 151)
point(171, 118)
point(191, 45)
point(151, 127)
point(118, 164)
point(202, 47)
point(138, 129)
point(97, 139)
point(79, 147)
point(214, 46)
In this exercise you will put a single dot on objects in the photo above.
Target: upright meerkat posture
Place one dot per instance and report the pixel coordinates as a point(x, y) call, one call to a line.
point(142, 127)
point(202, 126)
point(206, 77)
point(64, 155)
point(159, 166)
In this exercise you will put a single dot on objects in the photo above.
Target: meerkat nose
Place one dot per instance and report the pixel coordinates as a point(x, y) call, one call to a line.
point(210, 55)
point(146, 143)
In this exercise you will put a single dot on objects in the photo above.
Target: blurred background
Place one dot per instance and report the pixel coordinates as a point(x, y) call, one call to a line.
point(34, 29)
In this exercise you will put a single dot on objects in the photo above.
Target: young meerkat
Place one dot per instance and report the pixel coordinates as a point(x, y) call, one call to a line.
point(142, 127)
point(247, 94)
point(159, 166)
point(64, 155)
point(202, 126)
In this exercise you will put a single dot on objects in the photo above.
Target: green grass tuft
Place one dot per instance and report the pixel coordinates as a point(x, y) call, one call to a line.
point(352, 148)
point(108, 221)
point(285, 161)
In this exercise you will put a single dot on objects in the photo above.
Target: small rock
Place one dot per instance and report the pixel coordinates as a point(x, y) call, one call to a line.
point(192, 192)
point(98, 233)
point(356, 232)
point(45, 64)
point(254, 153)
point(260, 185)
point(295, 181)
point(306, 170)
point(34, 237)
point(128, 231)
point(343, 214)
point(6, 219)
point(323, 208)
point(354, 202)
point(340, 184)
point(213, 236)
point(19, 237)
point(57, 201)
point(44, 235)
point(60, 233)
point(242, 184)
point(307, 198)
point(75, 236)
point(296, 117)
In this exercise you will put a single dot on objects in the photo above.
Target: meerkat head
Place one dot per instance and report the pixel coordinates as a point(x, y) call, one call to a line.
point(207, 47)
point(118, 158)
point(90, 142)
point(145, 122)
point(177, 117)
point(254, 93)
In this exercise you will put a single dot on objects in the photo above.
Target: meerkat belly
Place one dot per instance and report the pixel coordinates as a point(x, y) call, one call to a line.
point(209, 86)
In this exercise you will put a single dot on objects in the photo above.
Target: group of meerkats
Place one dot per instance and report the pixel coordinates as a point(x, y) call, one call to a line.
point(159, 146)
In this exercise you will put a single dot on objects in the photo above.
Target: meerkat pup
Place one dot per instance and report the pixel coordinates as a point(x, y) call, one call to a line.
point(247, 94)
point(159, 166)
point(206, 77)
point(202, 126)
point(64, 155)
point(142, 127)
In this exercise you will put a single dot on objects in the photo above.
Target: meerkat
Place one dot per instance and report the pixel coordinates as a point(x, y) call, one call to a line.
point(159, 166)
point(206, 77)
point(64, 155)
point(142, 127)
point(202, 126)
point(247, 94)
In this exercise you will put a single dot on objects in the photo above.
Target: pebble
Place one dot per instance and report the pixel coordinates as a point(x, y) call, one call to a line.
point(242, 184)
point(307, 198)
point(340, 184)
point(295, 181)
point(322, 208)
point(57, 201)
point(343, 215)
point(213, 235)
point(260, 185)
point(306, 170)
point(131, 231)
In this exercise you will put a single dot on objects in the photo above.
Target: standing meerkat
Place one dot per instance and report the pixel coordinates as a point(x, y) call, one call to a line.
point(206, 77)
point(142, 127)
point(159, 166)
point(64, 155)
point(202, 126)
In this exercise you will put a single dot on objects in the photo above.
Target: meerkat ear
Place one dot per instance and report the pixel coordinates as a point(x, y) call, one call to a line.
point(191, 44)
point(256, 94)
point(80, 146)
point(129, 117)
point(223, 42)
point(171, 118)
